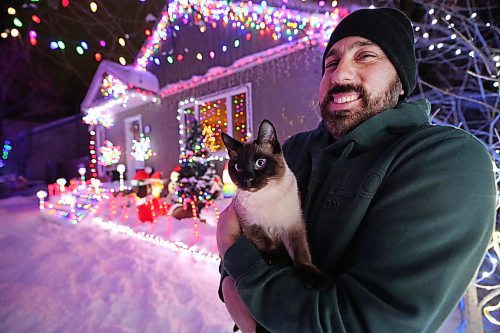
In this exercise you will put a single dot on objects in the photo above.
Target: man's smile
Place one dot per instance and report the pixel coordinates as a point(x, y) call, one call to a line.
point(343, 98)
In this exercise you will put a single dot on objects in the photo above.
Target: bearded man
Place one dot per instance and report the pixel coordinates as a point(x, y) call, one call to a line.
point(399, 212)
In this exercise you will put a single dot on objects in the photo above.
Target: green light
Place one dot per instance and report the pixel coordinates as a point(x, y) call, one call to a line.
point(79, 50)
point(236, 42)
point(61, 45)
point(170, 60)
point(17, 22)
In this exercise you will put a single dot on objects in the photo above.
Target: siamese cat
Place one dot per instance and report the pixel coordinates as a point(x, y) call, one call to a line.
point(267, 204)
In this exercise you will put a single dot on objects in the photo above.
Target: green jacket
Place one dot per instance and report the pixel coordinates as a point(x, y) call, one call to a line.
point(399, 212)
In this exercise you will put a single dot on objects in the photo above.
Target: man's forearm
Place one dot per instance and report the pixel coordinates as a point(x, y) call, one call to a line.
point(236, 308)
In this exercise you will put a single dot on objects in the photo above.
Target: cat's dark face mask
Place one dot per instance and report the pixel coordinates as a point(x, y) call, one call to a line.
point(253, 168)
point(253, 165)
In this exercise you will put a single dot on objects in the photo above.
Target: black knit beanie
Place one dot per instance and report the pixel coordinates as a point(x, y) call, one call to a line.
point(391, 30)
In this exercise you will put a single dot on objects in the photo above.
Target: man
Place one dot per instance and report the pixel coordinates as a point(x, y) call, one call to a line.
point(399, 212)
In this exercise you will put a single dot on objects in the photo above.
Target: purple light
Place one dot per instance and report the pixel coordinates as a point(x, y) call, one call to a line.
point(102, 43)
point(53, 45)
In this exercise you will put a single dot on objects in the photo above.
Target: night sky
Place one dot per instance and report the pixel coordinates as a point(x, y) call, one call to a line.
point(41, 84)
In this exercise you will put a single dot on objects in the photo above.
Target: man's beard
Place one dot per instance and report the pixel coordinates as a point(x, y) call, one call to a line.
point(341, 122)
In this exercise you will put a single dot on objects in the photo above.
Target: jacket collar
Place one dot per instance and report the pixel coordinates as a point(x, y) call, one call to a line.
point(380, 128)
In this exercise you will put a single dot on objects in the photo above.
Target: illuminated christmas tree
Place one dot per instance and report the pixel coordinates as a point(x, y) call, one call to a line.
point(196, 176)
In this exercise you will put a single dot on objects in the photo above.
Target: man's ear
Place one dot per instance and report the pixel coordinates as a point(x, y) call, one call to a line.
point(231, 144)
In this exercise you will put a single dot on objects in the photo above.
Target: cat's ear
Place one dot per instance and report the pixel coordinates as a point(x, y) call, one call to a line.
point(231, 144)
point(267, 134)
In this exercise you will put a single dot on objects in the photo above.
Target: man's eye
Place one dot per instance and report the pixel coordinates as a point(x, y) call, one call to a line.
point(260, 162)
point(332, 64)
point(237, 167)
point(367, 56)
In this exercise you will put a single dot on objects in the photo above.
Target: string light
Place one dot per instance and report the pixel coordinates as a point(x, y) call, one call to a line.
point(242, 15)
point(121, 170)
point(109, 153)
point(7, 147)
point(179, 247)
point(141, 150)
point(17, 22)
point(92, 164)
point(95, 116)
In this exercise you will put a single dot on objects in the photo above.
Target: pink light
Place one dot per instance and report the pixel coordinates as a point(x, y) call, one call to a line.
point(102, 43)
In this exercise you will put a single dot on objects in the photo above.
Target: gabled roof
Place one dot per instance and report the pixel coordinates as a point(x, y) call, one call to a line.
point(135, 79)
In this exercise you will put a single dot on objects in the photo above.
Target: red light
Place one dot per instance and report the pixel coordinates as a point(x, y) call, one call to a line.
point(98, 56)
point(33, 41)
point(180, 57)
point(147, 32)
point(248, 36)
point(65, 3)
point(35, 19)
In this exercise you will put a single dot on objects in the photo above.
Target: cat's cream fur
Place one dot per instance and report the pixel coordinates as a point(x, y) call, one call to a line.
point(274, 207)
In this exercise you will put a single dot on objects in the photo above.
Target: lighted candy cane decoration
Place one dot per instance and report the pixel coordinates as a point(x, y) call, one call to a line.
point(82, 171)
point(121, 170)
point(41, 196)
point(61, 182)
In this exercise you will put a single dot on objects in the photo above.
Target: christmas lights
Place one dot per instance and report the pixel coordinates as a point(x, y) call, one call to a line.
point(179, 247)
point(121, 170)
point(112, 87)
point(281, 23)
point(96, 117)
point(141, 150)
point(93, 157)
point(109, 153)
point(7, 147)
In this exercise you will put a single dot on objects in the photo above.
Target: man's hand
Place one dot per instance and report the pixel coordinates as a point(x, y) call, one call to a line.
point(228, 229)
point(236, 308)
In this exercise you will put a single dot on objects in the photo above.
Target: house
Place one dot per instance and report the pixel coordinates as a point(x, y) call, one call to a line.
point(226, 65)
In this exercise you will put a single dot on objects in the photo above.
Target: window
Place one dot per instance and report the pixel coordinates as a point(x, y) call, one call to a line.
point(228, 111)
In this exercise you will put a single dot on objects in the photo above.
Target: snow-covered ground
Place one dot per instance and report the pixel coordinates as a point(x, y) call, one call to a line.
point(59, 277)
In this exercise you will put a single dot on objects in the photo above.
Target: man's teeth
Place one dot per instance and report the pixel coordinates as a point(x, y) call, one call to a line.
point(345, 99)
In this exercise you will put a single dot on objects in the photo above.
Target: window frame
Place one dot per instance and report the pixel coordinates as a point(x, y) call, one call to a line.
point(227, 94)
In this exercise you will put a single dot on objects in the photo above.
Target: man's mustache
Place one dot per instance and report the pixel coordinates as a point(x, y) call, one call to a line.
point(346, 88)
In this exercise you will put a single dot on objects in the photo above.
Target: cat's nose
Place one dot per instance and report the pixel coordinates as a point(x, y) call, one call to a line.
point(248, 182)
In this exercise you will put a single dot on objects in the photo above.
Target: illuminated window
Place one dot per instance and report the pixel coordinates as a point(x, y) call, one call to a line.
point(228, 111)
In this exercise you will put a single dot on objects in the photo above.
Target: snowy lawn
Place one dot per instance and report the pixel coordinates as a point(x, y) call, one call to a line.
point(57, 277)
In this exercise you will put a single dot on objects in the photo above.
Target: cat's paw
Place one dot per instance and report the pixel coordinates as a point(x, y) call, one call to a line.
point(313, 278)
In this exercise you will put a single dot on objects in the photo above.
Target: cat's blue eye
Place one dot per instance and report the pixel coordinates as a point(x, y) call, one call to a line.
point(237, 167)
point(260, 162)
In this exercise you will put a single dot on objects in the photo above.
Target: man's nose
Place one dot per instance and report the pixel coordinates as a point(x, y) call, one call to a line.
point(343, 73)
